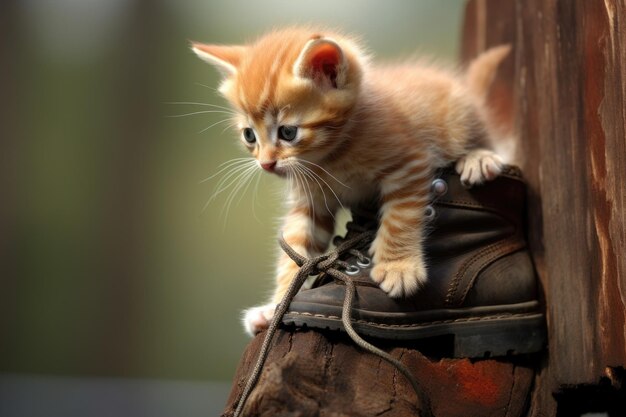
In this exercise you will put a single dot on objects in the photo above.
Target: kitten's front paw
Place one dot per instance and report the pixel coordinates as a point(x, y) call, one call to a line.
point(401, 277)
point(478, 166)
point(258, 318)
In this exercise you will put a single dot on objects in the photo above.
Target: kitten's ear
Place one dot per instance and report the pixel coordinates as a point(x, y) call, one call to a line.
point(323, 61)
point(225, 58)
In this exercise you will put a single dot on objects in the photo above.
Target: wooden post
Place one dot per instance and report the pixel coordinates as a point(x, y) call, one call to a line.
point(563, 98)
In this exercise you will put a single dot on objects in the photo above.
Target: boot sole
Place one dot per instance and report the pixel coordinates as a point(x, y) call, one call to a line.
point(473, 337)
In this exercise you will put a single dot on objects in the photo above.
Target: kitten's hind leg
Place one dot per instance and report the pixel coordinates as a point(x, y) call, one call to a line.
point(478, 166)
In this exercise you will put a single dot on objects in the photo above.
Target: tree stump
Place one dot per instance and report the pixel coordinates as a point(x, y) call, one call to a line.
point(321, 373)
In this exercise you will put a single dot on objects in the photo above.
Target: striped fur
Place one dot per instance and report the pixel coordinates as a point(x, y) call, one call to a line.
point(364, 132)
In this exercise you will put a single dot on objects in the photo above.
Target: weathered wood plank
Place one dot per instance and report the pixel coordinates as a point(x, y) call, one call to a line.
point(313, 373)
point(565, 92)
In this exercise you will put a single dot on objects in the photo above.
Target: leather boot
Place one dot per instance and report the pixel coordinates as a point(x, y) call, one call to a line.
point(481, 292)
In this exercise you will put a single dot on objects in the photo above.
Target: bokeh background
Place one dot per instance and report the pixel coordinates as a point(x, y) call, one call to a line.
point(119, 293)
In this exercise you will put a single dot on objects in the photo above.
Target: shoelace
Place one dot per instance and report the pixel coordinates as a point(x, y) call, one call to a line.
point(329, 263)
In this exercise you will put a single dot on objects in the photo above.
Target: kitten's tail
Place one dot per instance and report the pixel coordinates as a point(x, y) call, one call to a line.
point(482, 70)
point(479, 77)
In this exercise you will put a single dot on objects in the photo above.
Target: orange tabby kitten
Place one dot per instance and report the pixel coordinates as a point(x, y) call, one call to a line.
point(313, 109)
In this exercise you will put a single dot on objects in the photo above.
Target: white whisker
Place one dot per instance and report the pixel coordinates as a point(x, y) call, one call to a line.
point(249, 181)
point(229, 164)
point(200, 112)
point(228, 180)
point(239, 181)
point(214, 124)
point(237, 159)
point(234, 176)
point(320, 167)
point(243, 179)
point(307, 172)
point(328, 185)
point(234, 170)
point(230, 125)
point(307, 188)
point(195, 103)
point(299, 186)
point(206, 86)
point(254, 197)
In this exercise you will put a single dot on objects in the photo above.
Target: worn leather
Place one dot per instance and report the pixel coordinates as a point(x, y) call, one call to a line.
point(477, 260)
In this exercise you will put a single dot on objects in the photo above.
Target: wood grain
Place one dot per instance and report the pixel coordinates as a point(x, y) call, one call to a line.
point(563, 96)
point(311, 373)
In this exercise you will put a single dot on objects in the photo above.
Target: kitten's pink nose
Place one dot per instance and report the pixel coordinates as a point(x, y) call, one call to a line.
point(268, 166)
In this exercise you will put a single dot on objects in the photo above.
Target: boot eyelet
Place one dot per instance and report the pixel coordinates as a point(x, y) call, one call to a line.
point(429, 213)
point(364, 263)
point(352, 270)
point(439, 187)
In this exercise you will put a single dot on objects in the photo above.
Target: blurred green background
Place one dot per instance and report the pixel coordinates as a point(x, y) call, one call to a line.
point(110, 267)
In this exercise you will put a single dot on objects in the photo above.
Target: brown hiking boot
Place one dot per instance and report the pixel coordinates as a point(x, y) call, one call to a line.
point(481, 293)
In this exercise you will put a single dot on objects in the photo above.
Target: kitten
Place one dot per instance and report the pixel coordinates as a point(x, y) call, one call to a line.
point(313, 109)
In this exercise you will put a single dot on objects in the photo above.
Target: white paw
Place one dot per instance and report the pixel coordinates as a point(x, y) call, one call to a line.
point(401, 277)
point(258, 318)
point(478, 166)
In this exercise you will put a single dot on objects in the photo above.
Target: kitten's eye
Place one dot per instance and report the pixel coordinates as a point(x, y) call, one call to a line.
point(287, 133)
point(248, 135)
